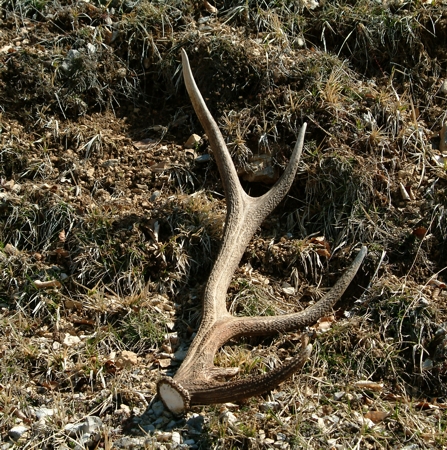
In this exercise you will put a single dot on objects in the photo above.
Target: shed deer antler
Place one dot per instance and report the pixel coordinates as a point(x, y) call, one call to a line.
point(198, 380)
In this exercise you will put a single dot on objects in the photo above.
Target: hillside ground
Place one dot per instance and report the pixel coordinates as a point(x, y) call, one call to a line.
point(109, 225)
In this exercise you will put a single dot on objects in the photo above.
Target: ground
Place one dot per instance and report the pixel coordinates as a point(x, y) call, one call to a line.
point(109, 225)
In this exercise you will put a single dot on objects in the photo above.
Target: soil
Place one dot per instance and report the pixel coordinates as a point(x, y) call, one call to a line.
point(99, 194)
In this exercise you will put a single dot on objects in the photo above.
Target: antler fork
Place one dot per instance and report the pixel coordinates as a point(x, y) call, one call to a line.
point(198, 380)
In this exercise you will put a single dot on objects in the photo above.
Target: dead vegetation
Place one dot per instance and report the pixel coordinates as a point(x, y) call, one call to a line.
point(109, 226)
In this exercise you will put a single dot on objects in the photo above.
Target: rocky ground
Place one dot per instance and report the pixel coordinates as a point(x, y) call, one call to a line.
point(110, 220)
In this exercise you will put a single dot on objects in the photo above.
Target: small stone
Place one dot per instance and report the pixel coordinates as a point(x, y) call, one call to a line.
point(443, 88)
point(171, 425)
point(161, 422)
point(193, 141)
point(228, 417)
point(180, 355)
point(158, 408)
point(11, 250)
point(91, 424)
point(338, 395)
point(260, 169)
point(202, 159)
point(176, 437)
point(15, 433)
point(127, 359)
point(71, 341)
point(164, 436)
point(281, 437)
point(195, 423)
point(154, 196)
point(270, 406)
point(288, 288)
point(110, 163)
point(148, 428)
point(43, 413)
point(8, 185)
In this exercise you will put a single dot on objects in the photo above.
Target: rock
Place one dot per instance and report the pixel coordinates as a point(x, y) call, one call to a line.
point(288, 288)
point(158, 408)
point(180, 355)
point(338, 395)
point(110, 163)
point(260, 170)
point(171, 425)
point(195, 423)
point(443, 88)
point(43, 413)
point(176, 437)
point(164, 436)
point(127, 359)
point(148, 428)
point(270, 406)
point(228, 417)
point(15, 433)
point(8, 185)
point(71, 341)
point(202, 159)
point(133, 443)
point(193, 141)
point(91, 425)
point(154, 196)
point(11, 250)
point(281, 437)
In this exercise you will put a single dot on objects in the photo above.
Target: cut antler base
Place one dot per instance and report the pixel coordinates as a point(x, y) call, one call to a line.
point(198, 380)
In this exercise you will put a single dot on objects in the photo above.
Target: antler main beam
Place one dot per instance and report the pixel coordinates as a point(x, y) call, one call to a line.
point(198, 380)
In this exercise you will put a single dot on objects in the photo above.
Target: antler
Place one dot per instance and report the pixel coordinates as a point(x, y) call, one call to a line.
point(198, 381)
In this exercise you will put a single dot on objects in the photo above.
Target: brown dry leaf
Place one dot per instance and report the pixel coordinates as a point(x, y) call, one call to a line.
point(62, 253)
point(323, 252)
point(62, 236)
point(370, 385)
point(164, 363)
point(420, 232)
point(325, 323)
point(377, 416)
point(426, 405)
point(325, 248)
point(50, 385)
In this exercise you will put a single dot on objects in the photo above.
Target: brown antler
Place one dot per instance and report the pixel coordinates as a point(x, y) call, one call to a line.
point(198, 381)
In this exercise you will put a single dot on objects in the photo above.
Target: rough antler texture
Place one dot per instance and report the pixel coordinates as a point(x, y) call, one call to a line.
point(198, 381)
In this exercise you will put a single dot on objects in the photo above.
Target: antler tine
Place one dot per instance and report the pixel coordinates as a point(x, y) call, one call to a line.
point(197, 380)
point(221, 153)
point(288, 322)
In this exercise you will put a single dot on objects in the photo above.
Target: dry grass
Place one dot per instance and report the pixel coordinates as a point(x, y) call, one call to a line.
point(99, 199)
